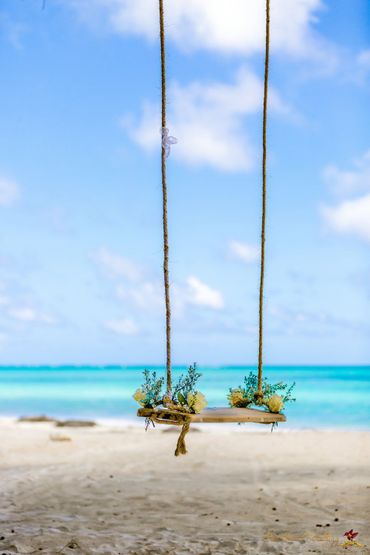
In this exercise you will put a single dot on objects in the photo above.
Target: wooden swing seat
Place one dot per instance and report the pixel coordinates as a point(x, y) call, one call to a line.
point(211, 415)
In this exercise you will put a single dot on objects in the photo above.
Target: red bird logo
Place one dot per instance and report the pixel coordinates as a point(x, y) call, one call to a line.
point(350, 535)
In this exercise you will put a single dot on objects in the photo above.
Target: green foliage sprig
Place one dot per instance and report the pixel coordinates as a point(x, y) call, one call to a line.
point(185, 396)
point(150, 394)
point(275, 396)
point(185, 385)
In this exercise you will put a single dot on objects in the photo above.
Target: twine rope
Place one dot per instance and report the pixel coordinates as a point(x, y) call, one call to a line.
point(181, 445)
point(164, 155)
point(175, 416)
point(263, 219)
point(165, 150)
point(167, 141)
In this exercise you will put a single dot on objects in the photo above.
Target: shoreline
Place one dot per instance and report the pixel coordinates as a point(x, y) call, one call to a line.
point(137, 423)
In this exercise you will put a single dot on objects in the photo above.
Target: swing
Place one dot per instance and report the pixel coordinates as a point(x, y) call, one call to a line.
point(170, 413)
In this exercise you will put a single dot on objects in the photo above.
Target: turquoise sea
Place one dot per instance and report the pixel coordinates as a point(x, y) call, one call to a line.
point(327, 396)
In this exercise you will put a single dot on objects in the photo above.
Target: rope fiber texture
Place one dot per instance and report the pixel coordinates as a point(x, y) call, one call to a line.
point(259, 393)
point(165, 200)
point(181, 448)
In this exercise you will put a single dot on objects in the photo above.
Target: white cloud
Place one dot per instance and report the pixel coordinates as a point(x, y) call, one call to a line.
point(350, 217)
point(363, 59)
point(243, 251)
point(122, 327)
point(24, 314)
point(288, 320)
point(355, 180)
point(140, 295)
point(201, 294)
point(47, 319)
point(227, 26)
point(27, 314)
point(208, 121)
point(9, 192)
point(149, 296)
point(4, 300)
point(116, 265)
point(146, 295)
point(12, 30)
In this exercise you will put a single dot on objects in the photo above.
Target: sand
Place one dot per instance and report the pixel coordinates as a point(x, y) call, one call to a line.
point(116, 490)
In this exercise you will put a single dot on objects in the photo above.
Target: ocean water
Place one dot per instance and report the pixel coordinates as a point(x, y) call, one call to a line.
point(327, 396)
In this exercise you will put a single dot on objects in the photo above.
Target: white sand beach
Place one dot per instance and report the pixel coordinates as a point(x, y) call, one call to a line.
point(114, 490)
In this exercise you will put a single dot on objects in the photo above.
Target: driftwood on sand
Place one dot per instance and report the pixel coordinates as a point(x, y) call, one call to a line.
point(58, 423)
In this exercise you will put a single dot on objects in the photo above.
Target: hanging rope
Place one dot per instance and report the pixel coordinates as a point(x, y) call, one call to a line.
point(181, 445)
point(172, 415)
point(166, 145)
point(165, 152)
point(263, 226)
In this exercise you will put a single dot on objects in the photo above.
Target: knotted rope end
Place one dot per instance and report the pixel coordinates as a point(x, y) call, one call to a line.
point(181, 445)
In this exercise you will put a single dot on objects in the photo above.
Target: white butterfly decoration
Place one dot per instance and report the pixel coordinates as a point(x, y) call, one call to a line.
point(167, 141)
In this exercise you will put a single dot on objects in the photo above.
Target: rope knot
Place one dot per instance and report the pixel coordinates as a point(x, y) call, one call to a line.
point(181, 446)
point(258, 396)
point(167, 141)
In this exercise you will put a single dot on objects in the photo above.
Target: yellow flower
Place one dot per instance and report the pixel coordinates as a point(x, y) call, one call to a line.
point(139, 396)
point(196, 401)
point(236, 398)
point(275, 403)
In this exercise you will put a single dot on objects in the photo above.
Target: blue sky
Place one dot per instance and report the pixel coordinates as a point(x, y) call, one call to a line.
point(80, 196)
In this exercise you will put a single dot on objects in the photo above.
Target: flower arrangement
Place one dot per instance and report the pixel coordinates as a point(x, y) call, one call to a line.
point(184, 397)
point(149, 395)
point(274, 396)
point(185, 393)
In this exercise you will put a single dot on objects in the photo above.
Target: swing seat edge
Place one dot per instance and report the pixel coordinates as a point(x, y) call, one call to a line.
point(212, 415)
